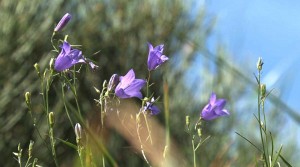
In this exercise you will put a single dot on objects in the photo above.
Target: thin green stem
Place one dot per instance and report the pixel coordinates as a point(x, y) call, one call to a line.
point(148, 80)
point(79, 150)
point(259, 119)
point(52, 41)
point(167, 116)
point(27, 161)
point(194, 151)
point(52, 140)
point(66, 108)
point(75, 92)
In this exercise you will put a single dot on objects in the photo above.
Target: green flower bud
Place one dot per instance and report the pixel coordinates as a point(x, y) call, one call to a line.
point(51, 119)
point(199, 132)
point(30, 148)
point(28, 98)
point(259, 64)
point(187, 121)
point(263, 90)
point(37, 69)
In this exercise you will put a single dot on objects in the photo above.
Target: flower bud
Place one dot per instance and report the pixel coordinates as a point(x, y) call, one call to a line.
point(187, 121)
point(51, 63)
point(30, 148)
point(263, 90)
point(63, 22)
point(259, 64)
point(51, 119)
point(28, 98)
point(37, 69)
point(78, 132)
point(19, 147)
point(113, 82)
point(199, 132)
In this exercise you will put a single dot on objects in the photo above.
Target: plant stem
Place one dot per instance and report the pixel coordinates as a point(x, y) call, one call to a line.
point(66, 108)
point(259, 119)
point(194, 151)
point(52, 140)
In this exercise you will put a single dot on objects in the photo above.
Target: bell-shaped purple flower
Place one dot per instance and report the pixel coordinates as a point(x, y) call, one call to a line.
point(129, 86)
point(155, 56)
point(63, 22)
point(68, 57)
point(214, 108)
point(151, 108)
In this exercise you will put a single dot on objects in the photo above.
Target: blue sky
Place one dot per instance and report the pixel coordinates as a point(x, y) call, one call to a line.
point(266, 28)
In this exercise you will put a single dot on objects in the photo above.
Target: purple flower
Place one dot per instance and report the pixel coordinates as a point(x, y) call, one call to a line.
point(156, 57)
point(150, 107)
point(68, 57)
point(129, 86)
point(63, 22)
point(214, 109)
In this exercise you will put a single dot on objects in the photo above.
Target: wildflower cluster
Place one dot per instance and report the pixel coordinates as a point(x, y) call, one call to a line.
point(113, 92)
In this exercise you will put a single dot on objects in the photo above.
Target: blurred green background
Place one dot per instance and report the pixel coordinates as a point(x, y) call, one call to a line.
point(120, 29)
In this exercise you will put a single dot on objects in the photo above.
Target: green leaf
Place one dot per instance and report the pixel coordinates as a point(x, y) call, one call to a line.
point(285, 161)
point(68, 143)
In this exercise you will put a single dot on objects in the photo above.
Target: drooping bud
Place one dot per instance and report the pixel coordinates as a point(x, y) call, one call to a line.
point(63, 22)
point(78, 132)
point(259, 64)
point(113, 82)
point(51, 119)
point(37, 69)
point(28, 98)
point(263, 90)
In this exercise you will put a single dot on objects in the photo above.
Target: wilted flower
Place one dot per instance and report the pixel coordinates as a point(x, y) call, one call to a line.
point(69, 57)
point(63, 22)
point(129, 86)
point(214, 108)
point(156, 57)
point(92, 65)
point(151, 108)
point(113, 82)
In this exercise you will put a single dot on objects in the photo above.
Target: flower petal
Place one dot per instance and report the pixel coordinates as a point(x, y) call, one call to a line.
point(154, 110)
point(213, 98)
point(159, 48)
point(121, 94)
point(207, 113)
point(126, 80)
point(134, 88)
point(220, 104)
